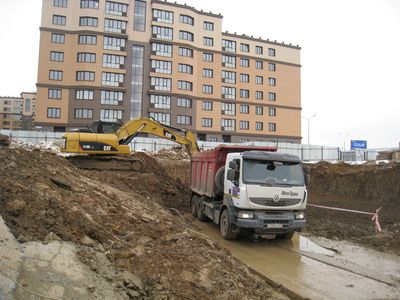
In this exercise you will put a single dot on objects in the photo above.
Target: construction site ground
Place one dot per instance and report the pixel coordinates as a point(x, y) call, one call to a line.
point(82, 234)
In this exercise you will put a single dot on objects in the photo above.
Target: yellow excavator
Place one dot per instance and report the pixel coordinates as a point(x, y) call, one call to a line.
point(110, 151)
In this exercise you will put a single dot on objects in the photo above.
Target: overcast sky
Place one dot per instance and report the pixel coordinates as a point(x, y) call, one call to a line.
point(350, 58)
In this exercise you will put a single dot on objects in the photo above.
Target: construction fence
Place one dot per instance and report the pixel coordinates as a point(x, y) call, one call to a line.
point(152, 144)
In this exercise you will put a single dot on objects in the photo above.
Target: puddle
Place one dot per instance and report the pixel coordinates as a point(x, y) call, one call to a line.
point(309, 246)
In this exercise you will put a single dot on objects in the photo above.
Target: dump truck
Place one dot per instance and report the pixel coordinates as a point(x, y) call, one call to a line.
point(249, 189)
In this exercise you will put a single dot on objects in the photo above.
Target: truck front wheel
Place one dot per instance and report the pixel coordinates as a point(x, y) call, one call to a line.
point(227, 228)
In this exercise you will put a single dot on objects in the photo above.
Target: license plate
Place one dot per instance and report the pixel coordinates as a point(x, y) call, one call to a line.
point(275, 225)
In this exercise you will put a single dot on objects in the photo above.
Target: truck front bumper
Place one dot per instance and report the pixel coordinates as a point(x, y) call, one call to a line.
point(272, 222)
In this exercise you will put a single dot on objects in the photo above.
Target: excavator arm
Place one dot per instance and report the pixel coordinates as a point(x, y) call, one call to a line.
point(132, 128)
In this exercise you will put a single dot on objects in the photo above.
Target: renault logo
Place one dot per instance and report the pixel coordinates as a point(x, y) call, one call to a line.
point(276, 198)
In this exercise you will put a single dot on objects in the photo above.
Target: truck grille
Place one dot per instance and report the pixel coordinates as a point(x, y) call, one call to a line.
point(271, 202)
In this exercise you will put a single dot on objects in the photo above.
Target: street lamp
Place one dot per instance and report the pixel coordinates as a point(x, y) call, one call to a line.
point(308, 127)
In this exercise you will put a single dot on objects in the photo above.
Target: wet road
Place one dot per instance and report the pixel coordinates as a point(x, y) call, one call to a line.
point(314, 272)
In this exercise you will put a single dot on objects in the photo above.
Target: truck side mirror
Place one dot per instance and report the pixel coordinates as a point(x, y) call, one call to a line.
point(233, 165)
point(307, 179)
point(233, 175)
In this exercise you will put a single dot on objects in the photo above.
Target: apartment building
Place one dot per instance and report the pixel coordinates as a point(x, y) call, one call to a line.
point(125, 59)
point(18, 113)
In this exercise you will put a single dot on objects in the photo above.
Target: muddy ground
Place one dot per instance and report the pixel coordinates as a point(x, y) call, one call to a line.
point(131, 220)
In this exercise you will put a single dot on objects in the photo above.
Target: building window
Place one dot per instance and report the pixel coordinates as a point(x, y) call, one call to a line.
point(85, 76)
point(160, 101)
point(207, 105)
point(184, 102)
point(59, 20)
point(87, 39)
point(244, 78)
point(94, 4)
point(83, 113)
point(113, 43)
point(206, 122)
point(160, 32)
point(244, 125)
point(259, 95)
point(84, 94)
point(56, 56)
point(57, 38)
point(244, 109)
point(184, 120)
point(229, 46)
point(244, 93)
point(161, 117)
point(228, 92)
point(271, 67)
point(244, 62)
point(245, 47)
point(227, 125)
point(259, 126)
point(185, 52)
point(111, 97)
point(259, 64)
point(163, 16)
point(112, 79)
point(208, 57)
point(185, 85)
point(110, 115)
point(113, 61)
point(272, 111)
point(54, 113)
point(271, 126)
point(272, 96)
point(184, 68)
point(88, 21)
point(186, 35)
point(259, 110)
point(272, 81)
point(228, 108)
point(54, 93)
point(161, 66)
point(207, 89)
point(207, 41)
point(228, 61)
point(60, 3)
point(228, 77)
point(271, 52)
point(55, 75)
point(115, 26)
point(208, 26)
point(161, 49)
point(209, 73)
point(139, 16)
point(115, 8)
point(186, 19)
point(259, 50)
point(212, 139)
point(160, 84)
point(86, 57)
point(259, 80)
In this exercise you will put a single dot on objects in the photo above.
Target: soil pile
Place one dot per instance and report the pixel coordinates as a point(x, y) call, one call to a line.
point(359, 187)
point(124, 234)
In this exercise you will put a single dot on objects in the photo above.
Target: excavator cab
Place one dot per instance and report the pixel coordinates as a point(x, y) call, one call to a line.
point(99, 127)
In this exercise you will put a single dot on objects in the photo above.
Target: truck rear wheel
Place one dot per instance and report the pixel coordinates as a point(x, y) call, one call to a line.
point(226, 227)
point(193, 205)
point(200, 210)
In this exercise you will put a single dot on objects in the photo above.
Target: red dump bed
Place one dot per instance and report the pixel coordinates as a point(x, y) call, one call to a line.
point(205, 164)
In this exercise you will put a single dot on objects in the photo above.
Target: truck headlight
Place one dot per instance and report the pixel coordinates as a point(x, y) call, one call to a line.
point(299, 215)
point(246, 214)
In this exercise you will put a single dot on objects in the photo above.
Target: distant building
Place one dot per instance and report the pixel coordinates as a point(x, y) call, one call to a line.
point(123, 59)
point(28, 110)
point(17, 112)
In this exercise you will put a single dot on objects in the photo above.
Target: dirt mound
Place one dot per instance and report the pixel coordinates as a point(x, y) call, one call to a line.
point(359, 187)
point(117, 220)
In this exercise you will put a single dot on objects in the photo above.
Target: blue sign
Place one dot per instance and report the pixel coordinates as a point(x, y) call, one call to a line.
point(358, 144)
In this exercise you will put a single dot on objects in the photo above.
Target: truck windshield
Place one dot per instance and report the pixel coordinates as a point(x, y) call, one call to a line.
point(268, 173)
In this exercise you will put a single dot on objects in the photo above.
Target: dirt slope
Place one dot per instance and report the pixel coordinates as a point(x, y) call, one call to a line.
point(126, 236)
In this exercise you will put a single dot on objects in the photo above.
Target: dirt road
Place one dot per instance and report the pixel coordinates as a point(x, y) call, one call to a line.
point(312, 271)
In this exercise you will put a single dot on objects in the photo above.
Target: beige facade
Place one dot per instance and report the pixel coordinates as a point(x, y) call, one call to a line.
point(171, 62)
point(11, 112)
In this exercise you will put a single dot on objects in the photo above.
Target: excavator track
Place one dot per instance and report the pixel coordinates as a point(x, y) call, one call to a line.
point(107, 163)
